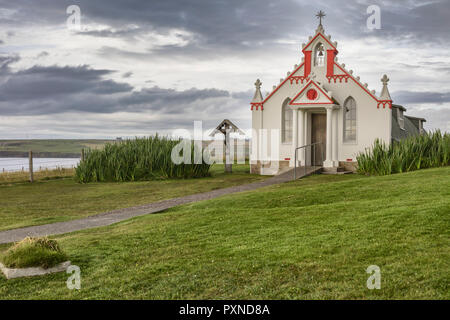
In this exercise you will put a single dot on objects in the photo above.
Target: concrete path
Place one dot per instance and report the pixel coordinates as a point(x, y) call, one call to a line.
point(111, 217)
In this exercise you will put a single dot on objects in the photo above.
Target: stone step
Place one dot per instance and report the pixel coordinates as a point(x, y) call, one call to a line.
point(334, 169)
point(337, 172)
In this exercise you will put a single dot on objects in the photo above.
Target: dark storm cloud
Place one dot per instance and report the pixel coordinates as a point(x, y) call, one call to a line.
point(159, 97)
point(184, 104)
point(405, 97)
point(5, 61)
point(41, 82)
point(244, 24)
point(49, 90)
point(54, 89)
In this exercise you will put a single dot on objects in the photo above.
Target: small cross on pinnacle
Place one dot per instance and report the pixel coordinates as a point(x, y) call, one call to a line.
point(385, 80)
point(320, 15)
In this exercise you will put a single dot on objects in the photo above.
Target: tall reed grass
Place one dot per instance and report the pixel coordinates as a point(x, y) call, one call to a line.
point(413, 153)
point(136, 159)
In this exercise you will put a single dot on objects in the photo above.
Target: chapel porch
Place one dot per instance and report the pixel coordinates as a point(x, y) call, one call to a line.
point(315, 136)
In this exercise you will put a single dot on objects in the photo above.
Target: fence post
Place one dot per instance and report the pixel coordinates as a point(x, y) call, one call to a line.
point(30, 161)
point(82, 154)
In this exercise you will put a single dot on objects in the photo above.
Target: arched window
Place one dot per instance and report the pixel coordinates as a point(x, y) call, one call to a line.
point(286, 122)
point(350, 120)
point(319, 55)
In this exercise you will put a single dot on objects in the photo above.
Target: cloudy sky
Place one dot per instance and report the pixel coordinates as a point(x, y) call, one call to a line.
point(138, 67)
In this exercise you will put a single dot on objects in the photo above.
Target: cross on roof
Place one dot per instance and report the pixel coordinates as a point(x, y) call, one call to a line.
point(320, 15)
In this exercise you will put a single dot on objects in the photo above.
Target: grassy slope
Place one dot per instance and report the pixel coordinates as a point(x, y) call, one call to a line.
point(309, 239)
point(25, 204)
point(24, 176)
point(55, 145)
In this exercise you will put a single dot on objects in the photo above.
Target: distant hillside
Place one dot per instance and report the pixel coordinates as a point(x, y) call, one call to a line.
point(57, 148)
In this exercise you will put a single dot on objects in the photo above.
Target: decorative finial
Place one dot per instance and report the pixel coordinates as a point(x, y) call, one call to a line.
point(257, 98)
point(319, 16)
point(258, 84)
point(385, 91)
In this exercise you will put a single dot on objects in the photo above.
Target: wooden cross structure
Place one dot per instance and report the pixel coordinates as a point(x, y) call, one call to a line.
point(226, 127)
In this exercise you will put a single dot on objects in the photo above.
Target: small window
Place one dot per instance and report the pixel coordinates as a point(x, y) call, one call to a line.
point(319, 55)
point(350, 120)
point(400, 119)
point(286, 122)
point(421, 130)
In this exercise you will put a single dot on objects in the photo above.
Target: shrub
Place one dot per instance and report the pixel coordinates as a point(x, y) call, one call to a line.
point(413, 153)
point(34, 252)
point(138, 159)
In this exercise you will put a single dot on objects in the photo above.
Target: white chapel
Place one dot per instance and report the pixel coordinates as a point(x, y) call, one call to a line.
point(323, 113)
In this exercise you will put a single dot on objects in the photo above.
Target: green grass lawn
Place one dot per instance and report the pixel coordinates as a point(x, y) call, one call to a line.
point(24, 204)
point(309, 239)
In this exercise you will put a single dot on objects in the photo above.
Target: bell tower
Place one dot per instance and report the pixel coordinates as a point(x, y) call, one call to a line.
point(320, 53)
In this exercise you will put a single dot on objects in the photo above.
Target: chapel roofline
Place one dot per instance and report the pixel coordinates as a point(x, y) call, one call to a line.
point(384, 100)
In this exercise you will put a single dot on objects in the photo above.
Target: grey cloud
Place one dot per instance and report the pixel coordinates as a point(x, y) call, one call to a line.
point(43, 54)
point(51, 82)
point(415, 97)
point(245, 25)
point(53, 89)
point(5, 61)
point(127, 74)
point(172, 101)
point(110, 33)
point(50, 90)
point(436, 118)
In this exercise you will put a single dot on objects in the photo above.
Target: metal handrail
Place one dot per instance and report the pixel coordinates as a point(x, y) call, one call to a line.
point(313, 145)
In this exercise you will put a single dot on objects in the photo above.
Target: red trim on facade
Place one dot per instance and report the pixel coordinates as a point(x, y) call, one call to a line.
point(279, 86)
point(343, 70)
point(310, 103)
point(384, 103)
point(312, 94)
point(379, 102)
point(287, 159)
point(331, 54)
point(339, 77)
point(257, 105)
point(307, 63)
point(312, 40)
point(304, 88)
point(297, 79)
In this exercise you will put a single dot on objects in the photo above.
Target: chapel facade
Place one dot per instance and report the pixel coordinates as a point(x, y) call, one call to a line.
point(322, 103)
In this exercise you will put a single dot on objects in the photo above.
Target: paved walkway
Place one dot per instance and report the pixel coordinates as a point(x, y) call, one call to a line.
point(111, 217)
